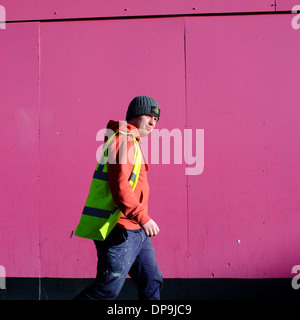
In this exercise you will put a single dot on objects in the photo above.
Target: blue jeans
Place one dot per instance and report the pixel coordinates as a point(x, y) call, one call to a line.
point(125, 252)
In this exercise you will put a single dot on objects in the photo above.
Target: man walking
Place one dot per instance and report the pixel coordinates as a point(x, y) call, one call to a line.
point(127, 248)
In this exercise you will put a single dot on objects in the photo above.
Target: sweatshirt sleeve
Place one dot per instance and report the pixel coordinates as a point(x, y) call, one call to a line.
point(120, 164)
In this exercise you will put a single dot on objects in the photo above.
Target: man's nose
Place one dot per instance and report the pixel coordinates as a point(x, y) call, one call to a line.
point(151, 121)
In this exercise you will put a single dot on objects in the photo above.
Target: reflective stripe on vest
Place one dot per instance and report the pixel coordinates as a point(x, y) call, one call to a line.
point(99, 174)
point(100, 213)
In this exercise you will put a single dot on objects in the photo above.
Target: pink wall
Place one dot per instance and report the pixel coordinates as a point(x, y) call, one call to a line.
point(65, 9)
point(233, 76)
point(19, 145)
point(242, 88)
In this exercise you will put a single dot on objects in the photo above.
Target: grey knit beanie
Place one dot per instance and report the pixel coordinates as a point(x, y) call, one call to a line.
point(142, 105)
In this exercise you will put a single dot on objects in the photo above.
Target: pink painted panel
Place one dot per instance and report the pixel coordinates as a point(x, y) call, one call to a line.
point(90, 71)
point(65, 9)
point(19, 174)
point(286, 5)
point(239, 218)
point(243, 90)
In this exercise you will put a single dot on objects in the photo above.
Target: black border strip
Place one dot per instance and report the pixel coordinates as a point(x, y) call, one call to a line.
point(206, 289)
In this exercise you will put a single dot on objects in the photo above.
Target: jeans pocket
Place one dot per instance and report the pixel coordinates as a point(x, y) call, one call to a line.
point(117, 237)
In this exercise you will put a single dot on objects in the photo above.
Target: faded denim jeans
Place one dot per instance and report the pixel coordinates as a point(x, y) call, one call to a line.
point(125, 252)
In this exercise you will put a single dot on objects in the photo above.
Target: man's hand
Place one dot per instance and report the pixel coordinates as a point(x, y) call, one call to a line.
point(151, 228)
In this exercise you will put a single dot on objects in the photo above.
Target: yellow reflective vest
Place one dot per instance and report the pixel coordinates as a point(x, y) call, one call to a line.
point(100, 213)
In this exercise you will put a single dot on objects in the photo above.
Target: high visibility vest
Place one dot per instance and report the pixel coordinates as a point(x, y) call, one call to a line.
point(100, 213)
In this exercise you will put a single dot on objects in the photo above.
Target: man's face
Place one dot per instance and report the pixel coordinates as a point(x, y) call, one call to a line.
point(145, 124)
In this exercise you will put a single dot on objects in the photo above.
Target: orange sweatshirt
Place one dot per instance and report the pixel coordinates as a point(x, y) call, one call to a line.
point(133, 203)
